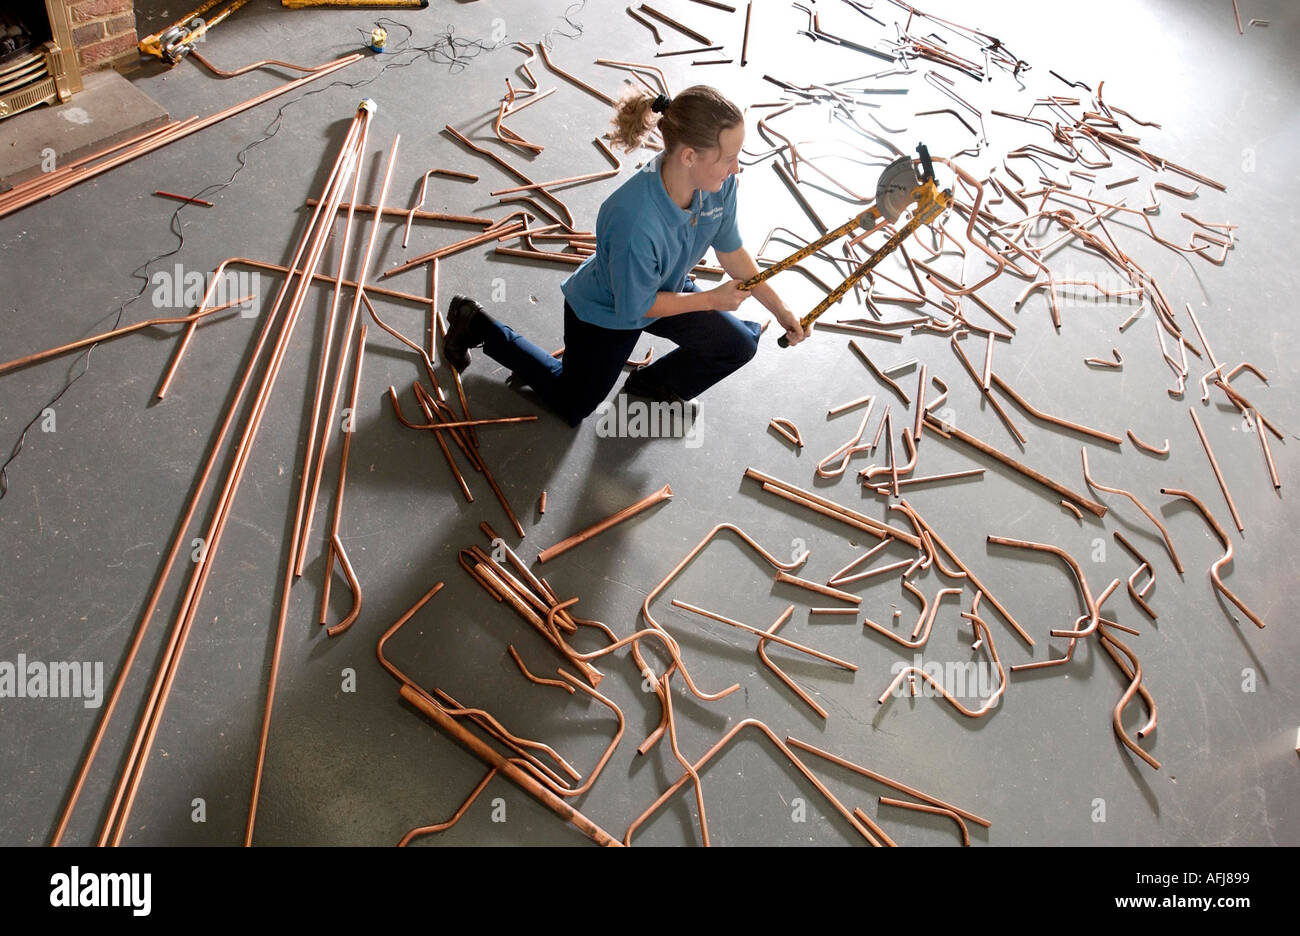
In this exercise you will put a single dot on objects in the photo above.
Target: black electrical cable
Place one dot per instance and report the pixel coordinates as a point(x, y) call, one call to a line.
point(447, 49)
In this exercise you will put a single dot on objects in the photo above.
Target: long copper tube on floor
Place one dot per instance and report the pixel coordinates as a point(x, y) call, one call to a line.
point(179, 538)
point(128, 784)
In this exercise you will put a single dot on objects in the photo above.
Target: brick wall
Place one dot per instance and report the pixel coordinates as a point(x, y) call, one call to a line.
point(103, 32)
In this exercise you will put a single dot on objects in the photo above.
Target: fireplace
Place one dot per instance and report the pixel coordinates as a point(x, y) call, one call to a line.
point(45, 45)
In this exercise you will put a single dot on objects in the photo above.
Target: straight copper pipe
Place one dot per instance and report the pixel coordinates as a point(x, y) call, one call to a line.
point(663, 494)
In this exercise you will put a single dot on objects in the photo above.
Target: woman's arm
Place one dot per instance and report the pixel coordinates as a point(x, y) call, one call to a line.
point(739, 265)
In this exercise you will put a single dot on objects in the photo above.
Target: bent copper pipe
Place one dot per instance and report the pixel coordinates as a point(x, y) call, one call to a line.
point(420, 831)
point(858, 826)
point(1227, 555)
point(465, 141)
point(1090, 605)
point(866, 556)
point(881, 375)
point(1117, 716)
point(663, 494)
point(424, 187)
point(658, 628)
point(1147, 700)
point(975, 582)
point(781, 674)
point(1151, 449)
point(507, 768)
point(336, 549)
point(1092, 483)
point(985, 634)
point(849, 448)
point(1054, 420)
point(886, 781)
point(787, 429)
point(934, 810)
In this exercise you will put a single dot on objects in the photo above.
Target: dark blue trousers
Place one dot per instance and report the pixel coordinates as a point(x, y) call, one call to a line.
point(710, 345)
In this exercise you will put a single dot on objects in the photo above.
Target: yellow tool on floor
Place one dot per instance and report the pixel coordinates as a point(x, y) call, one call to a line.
point(177, 41)
point(355, 4)
point(897, 188)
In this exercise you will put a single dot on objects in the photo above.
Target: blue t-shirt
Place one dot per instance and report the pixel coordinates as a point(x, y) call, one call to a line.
point(647, 244)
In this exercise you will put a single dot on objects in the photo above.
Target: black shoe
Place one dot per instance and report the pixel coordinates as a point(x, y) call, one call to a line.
point(461, 331)
point(637, 385)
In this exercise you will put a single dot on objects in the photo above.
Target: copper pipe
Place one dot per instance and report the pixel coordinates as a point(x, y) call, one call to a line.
point(455, 469)
point(456, 816)
point(882, 779)
point(184, 198)
point(322, 444)
point(838, 511)
point(852, 611)
point(312, 244)
point(879, 570)
point(572, 79)
point(569, 180)
point(1107, 644)
point(1117, 718)
point(301, 521)
point(860, 330)
point(1078, 514)
point(954, 432)
point(421, 215)
point(1151, 449)
point(541, 504)
point(934, 810)
point(464, 140)
point(744, 42)
point(1268, 454)
point(988, 394)
point(155, 140)
point(447, 251)
point(787, 429)
point(683, 29)
point(424, 185)
point(663, 494)
point(921, 408)
point(222, 73)
point(335, 544)
point(1227, 556)
point(828, 591)
point(849, 448)
point(647, 24)
point(657, 628)
point(924, 623)
point(179, 538)
point(461, 423)
point(1054, 420)
point(118, 333)
point(1214, 463)
point(985, 634)
point(835, 579)
point(858, 826)
point(929, 479)
point(881, 375)
point(507, 768)
point(1091, 606)
point(938, 541)
point(781, 674)
point(1169, 543)
point(835, 411)
point(767, 635)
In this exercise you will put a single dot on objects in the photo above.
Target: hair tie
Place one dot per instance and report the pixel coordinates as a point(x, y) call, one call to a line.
point(661, 103)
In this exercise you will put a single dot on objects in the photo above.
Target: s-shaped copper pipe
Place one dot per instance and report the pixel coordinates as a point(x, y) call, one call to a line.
point(1227, 555)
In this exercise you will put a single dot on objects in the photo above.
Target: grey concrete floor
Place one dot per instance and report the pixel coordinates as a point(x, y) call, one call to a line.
point(93, 505)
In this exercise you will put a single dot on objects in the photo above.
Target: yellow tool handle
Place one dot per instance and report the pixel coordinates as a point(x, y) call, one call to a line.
point(870, 216)
point(934, 203)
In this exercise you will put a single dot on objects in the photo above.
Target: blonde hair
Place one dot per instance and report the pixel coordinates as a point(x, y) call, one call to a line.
point(694, 117)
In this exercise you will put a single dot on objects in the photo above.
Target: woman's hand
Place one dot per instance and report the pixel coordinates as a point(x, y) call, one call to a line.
point(728, 296)
point(794, 332)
